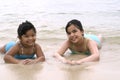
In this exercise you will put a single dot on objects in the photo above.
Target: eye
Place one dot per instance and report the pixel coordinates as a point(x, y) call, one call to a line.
point(25, 36)
point(74, 31)
point(33, 35)
point(68, 33)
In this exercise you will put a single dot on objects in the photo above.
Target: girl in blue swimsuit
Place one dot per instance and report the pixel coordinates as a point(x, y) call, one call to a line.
point(19, 56)
point(23, 51)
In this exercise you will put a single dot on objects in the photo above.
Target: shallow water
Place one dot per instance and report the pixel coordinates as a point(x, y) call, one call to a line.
point(50, 18)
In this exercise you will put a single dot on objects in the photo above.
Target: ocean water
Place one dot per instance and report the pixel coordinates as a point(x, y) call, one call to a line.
point(50, 18)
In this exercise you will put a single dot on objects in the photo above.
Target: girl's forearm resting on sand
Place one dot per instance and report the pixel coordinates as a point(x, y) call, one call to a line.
point(40, 59)
point(58, 56)
point(10, 59)
point(91, 58)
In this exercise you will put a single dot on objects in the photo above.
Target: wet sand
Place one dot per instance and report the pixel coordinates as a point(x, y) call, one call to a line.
point(47, 71)
point(106, 69)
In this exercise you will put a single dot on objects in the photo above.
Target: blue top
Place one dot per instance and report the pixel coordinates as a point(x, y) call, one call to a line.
point(93, 37)
point(18, 56)
point(23, 56)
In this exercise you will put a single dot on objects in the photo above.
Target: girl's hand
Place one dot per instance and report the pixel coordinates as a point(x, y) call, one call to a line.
point(73, 62)
point(63, 60)
point(77, 62)
point(27, 61)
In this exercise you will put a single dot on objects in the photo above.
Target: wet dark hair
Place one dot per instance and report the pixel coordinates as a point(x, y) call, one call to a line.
point(76, 23)
point(24, 27)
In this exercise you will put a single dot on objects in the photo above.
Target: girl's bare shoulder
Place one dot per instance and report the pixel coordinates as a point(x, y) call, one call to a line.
point(36, 45)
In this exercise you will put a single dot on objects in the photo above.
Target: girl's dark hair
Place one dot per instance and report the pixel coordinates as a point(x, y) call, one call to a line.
point(76, 23)
point(24, 27)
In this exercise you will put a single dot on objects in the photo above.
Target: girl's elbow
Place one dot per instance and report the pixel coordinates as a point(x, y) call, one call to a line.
point(55, 55)
point(42, 59)
point(97, 57)
point(6, 59)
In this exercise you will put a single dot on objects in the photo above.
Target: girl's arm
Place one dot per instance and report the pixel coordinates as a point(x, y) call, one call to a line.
point(92, 46)
point(39, 53)
point(61, 51)
point(8, 58)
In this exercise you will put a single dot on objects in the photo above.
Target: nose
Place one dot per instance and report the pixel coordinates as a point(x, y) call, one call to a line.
point(30, 38)
point(72, 34)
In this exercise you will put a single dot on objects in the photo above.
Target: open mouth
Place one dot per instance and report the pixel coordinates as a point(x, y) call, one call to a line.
point(73, 39)
point(30, 42)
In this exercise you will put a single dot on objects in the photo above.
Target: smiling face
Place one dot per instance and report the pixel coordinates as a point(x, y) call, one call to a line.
point(27, 33)
point(74, 34)
point(29, 38)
